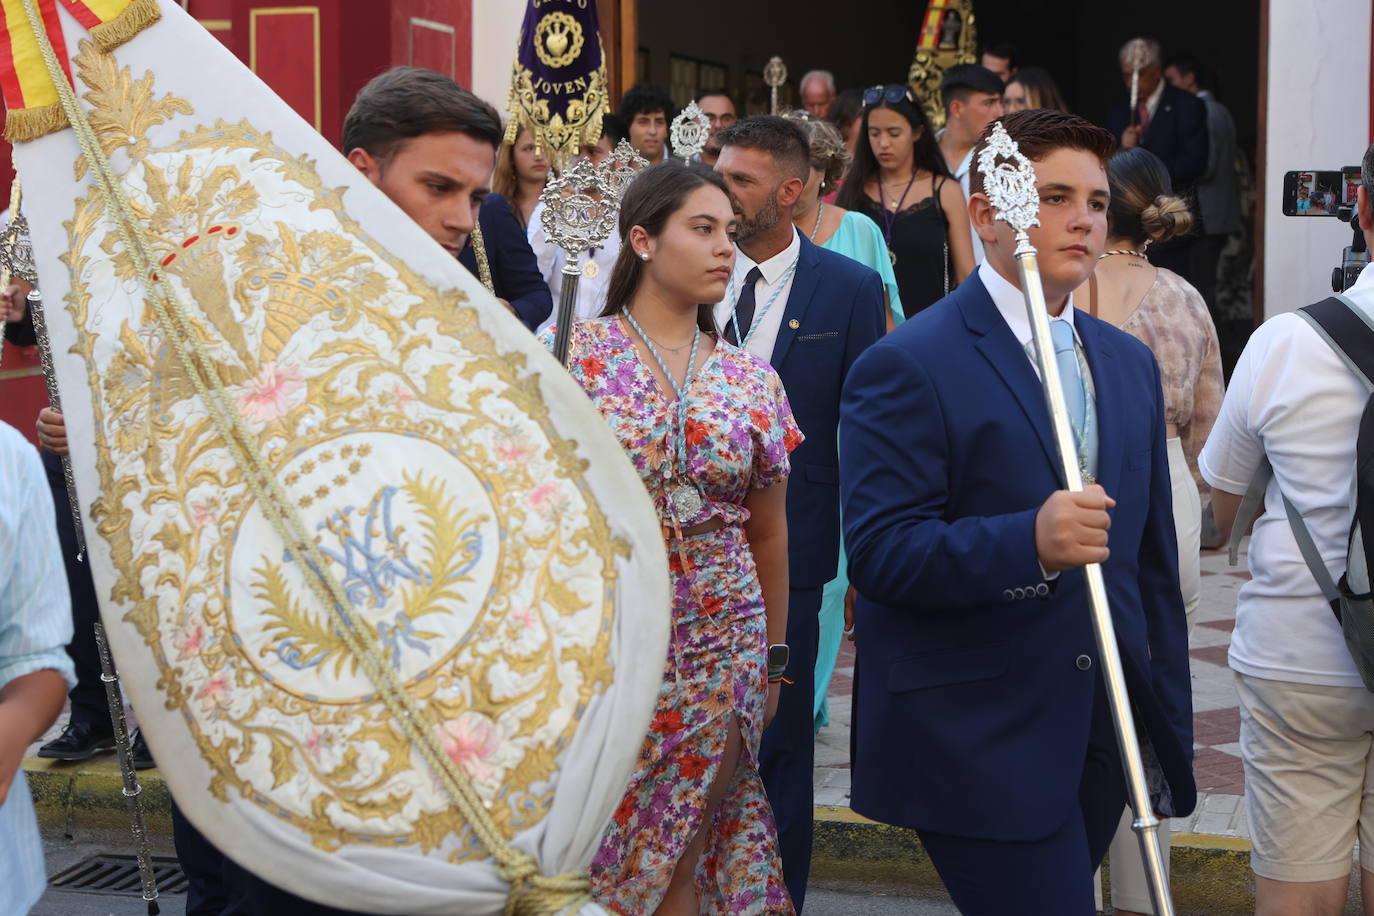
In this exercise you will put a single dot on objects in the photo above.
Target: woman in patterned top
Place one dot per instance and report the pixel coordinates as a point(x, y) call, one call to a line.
point(1170, 317)
point(709, 429)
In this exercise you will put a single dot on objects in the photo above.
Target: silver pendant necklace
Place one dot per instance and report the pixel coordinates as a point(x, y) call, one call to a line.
point(685, 501)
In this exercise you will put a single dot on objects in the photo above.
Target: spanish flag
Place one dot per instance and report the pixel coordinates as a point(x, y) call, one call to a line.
point(32, 109)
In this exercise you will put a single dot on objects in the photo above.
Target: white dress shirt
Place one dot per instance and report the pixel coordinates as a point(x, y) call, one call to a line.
point(961, 173)
point(591, 291)
point(35, 627)
point(776, 278)
point(1011, 305)
point(1152, 103)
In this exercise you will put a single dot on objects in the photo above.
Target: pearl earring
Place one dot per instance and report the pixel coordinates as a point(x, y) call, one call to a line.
point(644, 255)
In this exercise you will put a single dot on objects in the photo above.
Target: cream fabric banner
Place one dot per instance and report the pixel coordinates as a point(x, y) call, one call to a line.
point(472, 504)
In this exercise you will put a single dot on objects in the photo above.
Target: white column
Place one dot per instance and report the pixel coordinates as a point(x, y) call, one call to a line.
point(1318, 118)
point(495, 29)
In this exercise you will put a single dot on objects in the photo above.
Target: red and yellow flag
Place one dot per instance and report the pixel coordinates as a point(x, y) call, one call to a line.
point(31, 103)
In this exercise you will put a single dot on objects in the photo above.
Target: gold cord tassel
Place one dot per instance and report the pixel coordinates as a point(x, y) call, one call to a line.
point(136, 17)
point(25, 124)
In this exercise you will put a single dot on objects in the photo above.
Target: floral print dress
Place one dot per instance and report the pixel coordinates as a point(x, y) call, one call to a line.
point(739, 431)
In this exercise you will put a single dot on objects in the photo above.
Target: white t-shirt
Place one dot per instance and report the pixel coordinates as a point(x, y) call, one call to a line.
point(1291, 398)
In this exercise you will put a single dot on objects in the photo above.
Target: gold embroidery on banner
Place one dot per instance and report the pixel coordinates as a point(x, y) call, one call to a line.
point(558, 40)
point(422, 456)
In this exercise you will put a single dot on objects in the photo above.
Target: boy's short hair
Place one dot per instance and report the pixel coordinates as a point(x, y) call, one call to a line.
point(645, 98)
point(406, 102)
point(1039, 132)
point(781, 138)
point(964, 80)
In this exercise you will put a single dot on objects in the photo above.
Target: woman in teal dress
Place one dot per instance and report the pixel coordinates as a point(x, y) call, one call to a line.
point(855, 236)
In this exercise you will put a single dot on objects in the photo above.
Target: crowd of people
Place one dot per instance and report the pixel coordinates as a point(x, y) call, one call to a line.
point(816, 328)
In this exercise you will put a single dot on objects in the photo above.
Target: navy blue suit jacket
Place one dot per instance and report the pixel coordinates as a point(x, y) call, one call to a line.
point(1177, 134)
point(834, 312)
point(972, 715)
point(514, 269)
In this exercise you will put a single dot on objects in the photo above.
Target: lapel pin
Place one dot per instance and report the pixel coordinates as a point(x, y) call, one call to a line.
point(794, 324)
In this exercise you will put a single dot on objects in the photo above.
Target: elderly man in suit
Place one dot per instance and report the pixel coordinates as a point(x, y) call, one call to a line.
point(1170, 123)
point(981, 718)
point(810, 313)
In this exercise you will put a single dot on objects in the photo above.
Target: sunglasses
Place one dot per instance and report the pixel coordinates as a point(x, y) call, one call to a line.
point(890, 94)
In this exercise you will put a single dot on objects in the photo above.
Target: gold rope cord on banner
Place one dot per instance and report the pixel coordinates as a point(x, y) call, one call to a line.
point(531, 893)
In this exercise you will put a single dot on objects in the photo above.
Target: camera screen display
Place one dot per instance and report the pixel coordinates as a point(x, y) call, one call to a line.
point(1319, 193)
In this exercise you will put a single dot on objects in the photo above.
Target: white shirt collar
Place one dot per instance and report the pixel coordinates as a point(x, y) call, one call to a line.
point(965, 164)
point(773, 268)
point(1152, 103)
point(1012, 305)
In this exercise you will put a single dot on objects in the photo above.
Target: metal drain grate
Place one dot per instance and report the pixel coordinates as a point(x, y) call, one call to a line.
point(118, 874)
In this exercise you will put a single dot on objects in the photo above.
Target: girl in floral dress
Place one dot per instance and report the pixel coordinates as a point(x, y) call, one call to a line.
point(709, 429)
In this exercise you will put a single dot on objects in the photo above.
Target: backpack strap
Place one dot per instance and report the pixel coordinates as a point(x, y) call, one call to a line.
point(1348, 331)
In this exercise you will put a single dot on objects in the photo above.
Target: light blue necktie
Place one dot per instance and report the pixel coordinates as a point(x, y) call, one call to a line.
point(1078, 395)
point(1064, 354)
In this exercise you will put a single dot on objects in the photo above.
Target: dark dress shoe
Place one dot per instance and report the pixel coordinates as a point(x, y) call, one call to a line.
point(78, 741)
point(141, 756)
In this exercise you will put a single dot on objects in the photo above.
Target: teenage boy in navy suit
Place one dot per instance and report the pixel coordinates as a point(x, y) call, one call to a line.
point(981, 719)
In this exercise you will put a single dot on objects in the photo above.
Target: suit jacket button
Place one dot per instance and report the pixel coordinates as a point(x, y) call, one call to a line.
point(1042, 589)
point(1009, 595)
point(1083, 663)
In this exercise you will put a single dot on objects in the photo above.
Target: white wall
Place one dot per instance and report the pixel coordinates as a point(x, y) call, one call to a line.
point(495, 28)
point(1318, 118)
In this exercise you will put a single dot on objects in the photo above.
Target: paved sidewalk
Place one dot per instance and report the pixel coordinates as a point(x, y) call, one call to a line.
point(1216, 715)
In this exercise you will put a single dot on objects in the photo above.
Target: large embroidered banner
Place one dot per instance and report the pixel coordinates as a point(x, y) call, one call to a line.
point(355, 534)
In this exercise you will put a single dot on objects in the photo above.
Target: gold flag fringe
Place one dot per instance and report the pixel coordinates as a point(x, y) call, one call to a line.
point(25, 124)
point(136, 17)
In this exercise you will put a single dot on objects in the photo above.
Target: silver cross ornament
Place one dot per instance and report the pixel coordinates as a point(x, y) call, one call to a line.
point(690, 131)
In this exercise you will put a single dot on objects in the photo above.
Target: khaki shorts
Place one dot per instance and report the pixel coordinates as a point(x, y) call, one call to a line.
point(1307, 751)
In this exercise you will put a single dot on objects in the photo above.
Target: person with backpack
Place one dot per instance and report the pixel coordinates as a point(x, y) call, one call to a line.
point(1294, 426)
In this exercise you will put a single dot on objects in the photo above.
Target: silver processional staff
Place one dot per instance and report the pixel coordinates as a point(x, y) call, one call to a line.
point(1009, 182)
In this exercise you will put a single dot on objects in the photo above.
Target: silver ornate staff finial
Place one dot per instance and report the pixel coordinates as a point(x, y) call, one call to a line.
point(1009, 182)
point(1137, 52)
point(774, 75)
point(16, 251)
point(580, 209)
point(621, 167)
point(690, 131)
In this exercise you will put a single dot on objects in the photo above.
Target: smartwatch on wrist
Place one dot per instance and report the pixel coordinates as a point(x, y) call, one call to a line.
point(778, 655)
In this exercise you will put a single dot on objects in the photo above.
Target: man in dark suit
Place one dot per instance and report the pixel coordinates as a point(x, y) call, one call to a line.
point(512, 269)
point(1170, 123)
point(980, 717)
point(810, 313)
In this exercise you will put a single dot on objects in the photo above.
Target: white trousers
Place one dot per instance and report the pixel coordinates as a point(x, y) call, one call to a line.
point(1129, 889)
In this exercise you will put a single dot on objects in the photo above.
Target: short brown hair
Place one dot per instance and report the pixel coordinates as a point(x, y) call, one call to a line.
point(1041, 131)
point(780, 138)
point(406, 102)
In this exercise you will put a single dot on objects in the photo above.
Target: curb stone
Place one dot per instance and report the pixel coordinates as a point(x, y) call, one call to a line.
point(1209, 874)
